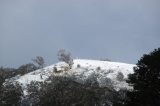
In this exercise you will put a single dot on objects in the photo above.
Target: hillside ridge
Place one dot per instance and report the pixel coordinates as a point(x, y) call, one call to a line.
point(114, 72)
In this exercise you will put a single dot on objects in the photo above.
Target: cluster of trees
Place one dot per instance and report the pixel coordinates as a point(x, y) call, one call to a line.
point(38, 63)
point(65, 91)
point(10, 94)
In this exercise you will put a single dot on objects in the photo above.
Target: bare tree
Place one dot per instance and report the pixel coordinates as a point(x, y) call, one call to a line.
point(65, 56)
point(39, 61)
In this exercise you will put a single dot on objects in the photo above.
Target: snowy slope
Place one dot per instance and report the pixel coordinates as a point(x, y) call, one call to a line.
point(81, 70)
point(108, 70)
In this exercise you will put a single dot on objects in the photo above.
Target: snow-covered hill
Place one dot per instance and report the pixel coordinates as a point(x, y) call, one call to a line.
point(106, 73)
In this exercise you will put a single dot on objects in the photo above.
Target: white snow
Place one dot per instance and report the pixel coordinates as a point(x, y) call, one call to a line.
point(102, 70)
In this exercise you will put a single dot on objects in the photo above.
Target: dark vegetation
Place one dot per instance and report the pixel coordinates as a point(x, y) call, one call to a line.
point(11, 93)
point(65, 91)
point(146, 81)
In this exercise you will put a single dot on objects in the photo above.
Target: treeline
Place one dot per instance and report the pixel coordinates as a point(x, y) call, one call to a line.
point(36, 63)
point(10, 94)
point(65, 91)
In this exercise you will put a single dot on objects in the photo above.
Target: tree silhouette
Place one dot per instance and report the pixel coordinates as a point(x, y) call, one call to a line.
point(39, 61)
point(146, 81)
point(65, 56)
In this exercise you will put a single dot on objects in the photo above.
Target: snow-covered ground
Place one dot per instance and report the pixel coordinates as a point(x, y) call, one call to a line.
point(83, 69)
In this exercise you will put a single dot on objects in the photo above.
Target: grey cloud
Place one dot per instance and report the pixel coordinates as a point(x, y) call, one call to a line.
point(118, 29)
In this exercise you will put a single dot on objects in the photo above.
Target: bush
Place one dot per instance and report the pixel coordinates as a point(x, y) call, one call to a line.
point(120, 76)
point(106, 82)
point(78, 66)
point(55, 69)
point(98, 68)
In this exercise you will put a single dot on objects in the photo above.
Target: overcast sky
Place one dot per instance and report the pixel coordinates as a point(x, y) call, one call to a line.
point(121, 30)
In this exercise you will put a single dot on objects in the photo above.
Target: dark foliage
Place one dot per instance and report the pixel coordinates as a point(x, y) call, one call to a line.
point(23, 69)
point(7, 72)
point(120, 76)
point(64, 91)
point(146, 81)
point(26, 68)
point(10, 95)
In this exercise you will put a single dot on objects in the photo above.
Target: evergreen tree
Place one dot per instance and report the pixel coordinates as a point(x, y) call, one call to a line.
point(146, 81)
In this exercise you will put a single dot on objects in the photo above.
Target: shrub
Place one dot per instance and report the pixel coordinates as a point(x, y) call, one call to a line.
point(98, 68)
point(78, 66)
point(120, 76)
point(54, 69)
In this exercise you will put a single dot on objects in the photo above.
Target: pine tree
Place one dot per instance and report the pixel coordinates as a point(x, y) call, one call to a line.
point(146, 81)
